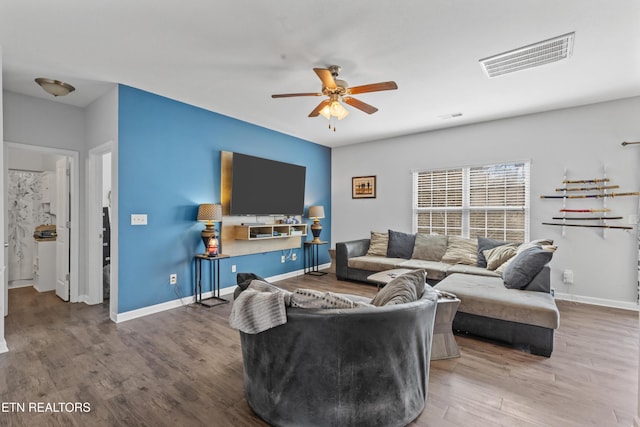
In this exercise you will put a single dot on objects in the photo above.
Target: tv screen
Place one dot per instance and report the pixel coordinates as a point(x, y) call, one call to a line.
point(266, 187)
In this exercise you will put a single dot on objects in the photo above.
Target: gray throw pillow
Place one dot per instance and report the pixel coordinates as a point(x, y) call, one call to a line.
point(524, 267)
point(400, 244)
point(405, 288)
point(485, 243)
point(429, 247)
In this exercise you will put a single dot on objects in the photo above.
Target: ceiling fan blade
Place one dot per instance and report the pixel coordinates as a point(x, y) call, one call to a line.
point(369, 109)
point(373, 87)
point(288, 95)
point(316, 111)
point(326, 77)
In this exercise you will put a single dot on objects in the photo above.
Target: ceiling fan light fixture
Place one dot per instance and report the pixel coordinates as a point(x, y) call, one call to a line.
point(334, 109)
point(55, 87)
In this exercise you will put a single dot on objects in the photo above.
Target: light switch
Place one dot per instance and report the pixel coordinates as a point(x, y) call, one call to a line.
point(138, 219)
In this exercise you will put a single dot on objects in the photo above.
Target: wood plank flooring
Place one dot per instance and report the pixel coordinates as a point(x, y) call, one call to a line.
point(183, 367)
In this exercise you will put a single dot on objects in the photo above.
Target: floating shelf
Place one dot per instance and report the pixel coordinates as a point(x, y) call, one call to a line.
point(269, 231)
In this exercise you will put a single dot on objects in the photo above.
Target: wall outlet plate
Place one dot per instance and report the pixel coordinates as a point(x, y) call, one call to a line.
point(138, 219)
point(173, 279)
point(294, 257)
point(282, 259)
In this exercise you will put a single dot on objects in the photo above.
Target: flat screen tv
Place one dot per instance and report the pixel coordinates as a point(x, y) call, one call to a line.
point(266, 187)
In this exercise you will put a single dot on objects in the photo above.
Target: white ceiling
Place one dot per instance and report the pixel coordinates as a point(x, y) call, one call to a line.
point(229, 56)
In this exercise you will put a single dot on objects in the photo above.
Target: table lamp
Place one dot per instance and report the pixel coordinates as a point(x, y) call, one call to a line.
point(316, 212)
point(210, 213)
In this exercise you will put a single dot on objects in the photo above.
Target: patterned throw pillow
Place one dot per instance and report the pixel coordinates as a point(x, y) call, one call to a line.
point(461, 251)
point(378, 244)
point(309, 298)
point(499, 255)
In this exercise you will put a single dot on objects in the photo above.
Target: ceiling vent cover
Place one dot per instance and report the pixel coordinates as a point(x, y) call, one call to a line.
point(534, 55)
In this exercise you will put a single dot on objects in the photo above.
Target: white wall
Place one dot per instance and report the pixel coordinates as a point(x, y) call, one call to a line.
point(3, 294)
point(582, 139)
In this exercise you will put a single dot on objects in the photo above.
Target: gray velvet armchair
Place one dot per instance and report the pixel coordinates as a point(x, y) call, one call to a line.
point(342, 367)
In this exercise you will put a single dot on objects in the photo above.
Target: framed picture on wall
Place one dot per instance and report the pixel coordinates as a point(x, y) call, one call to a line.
point(363, 187)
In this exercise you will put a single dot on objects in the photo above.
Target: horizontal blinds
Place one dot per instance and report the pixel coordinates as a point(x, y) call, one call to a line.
point(489, 201)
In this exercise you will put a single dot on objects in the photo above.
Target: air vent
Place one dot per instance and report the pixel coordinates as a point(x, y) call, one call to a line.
point(534, 55)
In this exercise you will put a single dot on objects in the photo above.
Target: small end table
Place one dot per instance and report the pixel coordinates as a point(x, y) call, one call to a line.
point(214, 270)
point(311, 257)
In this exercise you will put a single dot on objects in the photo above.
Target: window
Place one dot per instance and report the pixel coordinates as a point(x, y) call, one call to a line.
point(483, 201)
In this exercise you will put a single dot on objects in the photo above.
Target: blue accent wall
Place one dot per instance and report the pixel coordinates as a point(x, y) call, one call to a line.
point(169, 163)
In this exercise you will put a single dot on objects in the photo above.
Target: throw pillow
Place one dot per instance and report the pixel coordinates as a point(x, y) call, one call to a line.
point(405, 288)
point(400, 244)
point(499, 255)
point(523, 247)
point(309, 298)
point(378, 244)
point(429, 247)
point(461, 251)
point(485, 243)
point(525, 266)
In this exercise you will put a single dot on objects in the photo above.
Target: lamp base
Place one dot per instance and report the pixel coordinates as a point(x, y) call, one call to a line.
point(316, 229)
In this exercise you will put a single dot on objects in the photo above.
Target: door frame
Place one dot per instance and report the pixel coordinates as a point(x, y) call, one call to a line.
point(74, 209)
point(94, 185)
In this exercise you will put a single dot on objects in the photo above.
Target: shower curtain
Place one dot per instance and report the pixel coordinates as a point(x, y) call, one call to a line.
point(24, 211)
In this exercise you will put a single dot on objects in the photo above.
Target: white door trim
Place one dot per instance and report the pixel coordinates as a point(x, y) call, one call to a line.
point(74, 187)
point(94, 187)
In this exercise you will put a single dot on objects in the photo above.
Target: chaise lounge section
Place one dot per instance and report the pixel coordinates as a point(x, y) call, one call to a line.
point(511, 303)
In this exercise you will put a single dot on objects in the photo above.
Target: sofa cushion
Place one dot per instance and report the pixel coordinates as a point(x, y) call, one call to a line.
point(400, 244)
point(378, 244)
point(470, 269)
point(435, 270)
point(487, 296)
point(485, 243)
point(403, 289)
point(461, 251)
point(525, 266)
point(499, 255)
point(374, 263)
point(429, 247)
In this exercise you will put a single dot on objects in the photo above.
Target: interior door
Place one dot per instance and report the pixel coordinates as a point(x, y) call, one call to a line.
point(62, 228)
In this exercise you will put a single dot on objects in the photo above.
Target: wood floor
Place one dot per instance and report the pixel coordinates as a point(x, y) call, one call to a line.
point(183, 367)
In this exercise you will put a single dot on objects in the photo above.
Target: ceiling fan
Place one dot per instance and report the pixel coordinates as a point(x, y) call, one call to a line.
point(338, 90)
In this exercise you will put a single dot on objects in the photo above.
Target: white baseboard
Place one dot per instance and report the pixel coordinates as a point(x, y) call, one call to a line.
point(3, 346)
point(152, 309)
point(598, 301)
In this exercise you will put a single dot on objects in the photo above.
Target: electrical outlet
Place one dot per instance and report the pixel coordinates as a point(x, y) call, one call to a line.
point(294, 256)
point(138, 219)
point(173, 279)
point(282, 259)
point(233, 268)
point(567, 277)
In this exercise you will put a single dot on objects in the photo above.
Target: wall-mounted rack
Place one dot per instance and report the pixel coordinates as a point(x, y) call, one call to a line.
point(595, 188)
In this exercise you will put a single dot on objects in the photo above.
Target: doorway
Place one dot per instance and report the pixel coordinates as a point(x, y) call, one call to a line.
point(102, 287)
point(32, 179)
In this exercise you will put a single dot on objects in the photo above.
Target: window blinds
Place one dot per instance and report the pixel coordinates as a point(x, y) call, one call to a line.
point(489, 201)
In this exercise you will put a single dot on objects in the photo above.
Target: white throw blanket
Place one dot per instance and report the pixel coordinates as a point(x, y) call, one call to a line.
point(259, 307)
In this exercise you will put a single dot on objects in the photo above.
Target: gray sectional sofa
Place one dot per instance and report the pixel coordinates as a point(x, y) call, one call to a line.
point(511, 303)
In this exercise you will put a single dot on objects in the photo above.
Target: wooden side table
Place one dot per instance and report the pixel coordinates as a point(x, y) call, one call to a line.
point(311, 257)
point(214, 275)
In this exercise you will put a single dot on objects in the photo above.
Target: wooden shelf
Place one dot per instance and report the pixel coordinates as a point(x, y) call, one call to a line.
point(269, 231)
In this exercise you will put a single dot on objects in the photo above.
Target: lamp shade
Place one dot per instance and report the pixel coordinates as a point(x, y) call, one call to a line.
point(316, 211)
point(210, 212)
